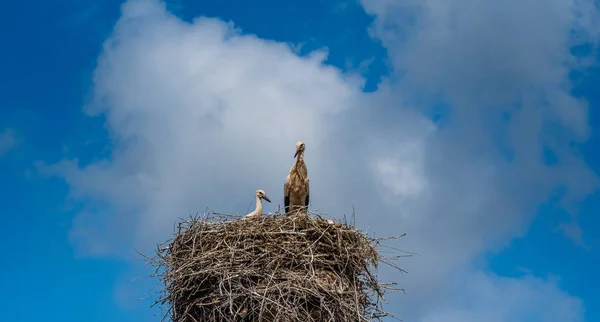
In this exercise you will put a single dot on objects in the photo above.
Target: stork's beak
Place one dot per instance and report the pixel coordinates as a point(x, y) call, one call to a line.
point(267, 199)
point(297, 151)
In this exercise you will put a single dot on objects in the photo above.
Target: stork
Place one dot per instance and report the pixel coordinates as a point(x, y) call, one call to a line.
point(260, 194)
point(296, 190)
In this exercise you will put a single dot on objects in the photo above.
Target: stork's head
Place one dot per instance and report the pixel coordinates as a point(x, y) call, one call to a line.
point(300, 146)
point(262, 195)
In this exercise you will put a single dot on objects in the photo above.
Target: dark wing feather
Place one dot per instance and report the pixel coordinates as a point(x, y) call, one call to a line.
point(286, 196)
point(307, 192)
point(286, 203)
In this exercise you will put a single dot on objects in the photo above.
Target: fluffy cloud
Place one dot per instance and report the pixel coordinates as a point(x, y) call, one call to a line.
point(201, 116)
point(478, 296)
point(504, 68)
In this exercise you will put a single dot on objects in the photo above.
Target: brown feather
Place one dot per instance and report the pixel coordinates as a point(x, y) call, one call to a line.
point(296, 187)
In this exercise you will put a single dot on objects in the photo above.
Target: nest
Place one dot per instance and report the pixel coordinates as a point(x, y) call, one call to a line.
point(271, 268)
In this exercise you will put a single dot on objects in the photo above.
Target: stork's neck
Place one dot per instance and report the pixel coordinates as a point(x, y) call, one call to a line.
point(259, 208)
point(300, 157)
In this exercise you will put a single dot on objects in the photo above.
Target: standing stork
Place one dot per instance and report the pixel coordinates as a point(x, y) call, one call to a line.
point(260, 194)
point(296, 188)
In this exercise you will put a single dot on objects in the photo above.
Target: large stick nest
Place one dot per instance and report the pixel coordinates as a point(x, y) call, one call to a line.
point(272, 268)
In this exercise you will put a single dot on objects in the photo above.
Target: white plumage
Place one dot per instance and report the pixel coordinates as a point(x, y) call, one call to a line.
point(260, 194)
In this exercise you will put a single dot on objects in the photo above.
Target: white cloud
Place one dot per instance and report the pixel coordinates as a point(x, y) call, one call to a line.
point(202, 116)
point(504, 69)
point(486, 297)
point(7, 141)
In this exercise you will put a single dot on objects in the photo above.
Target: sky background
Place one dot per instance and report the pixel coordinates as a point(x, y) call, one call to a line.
point(471, 126)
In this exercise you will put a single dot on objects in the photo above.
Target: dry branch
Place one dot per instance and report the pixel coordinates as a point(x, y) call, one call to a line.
point(272, 268)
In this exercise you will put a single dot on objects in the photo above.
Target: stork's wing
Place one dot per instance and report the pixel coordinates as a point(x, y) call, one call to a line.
point(307, 192)
point(286, 194)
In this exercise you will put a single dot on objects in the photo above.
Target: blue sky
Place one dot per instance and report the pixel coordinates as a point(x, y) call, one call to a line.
point(98, 158)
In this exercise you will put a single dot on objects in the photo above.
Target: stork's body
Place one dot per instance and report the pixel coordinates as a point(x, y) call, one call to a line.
point(260, 194)
point(296, 189)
